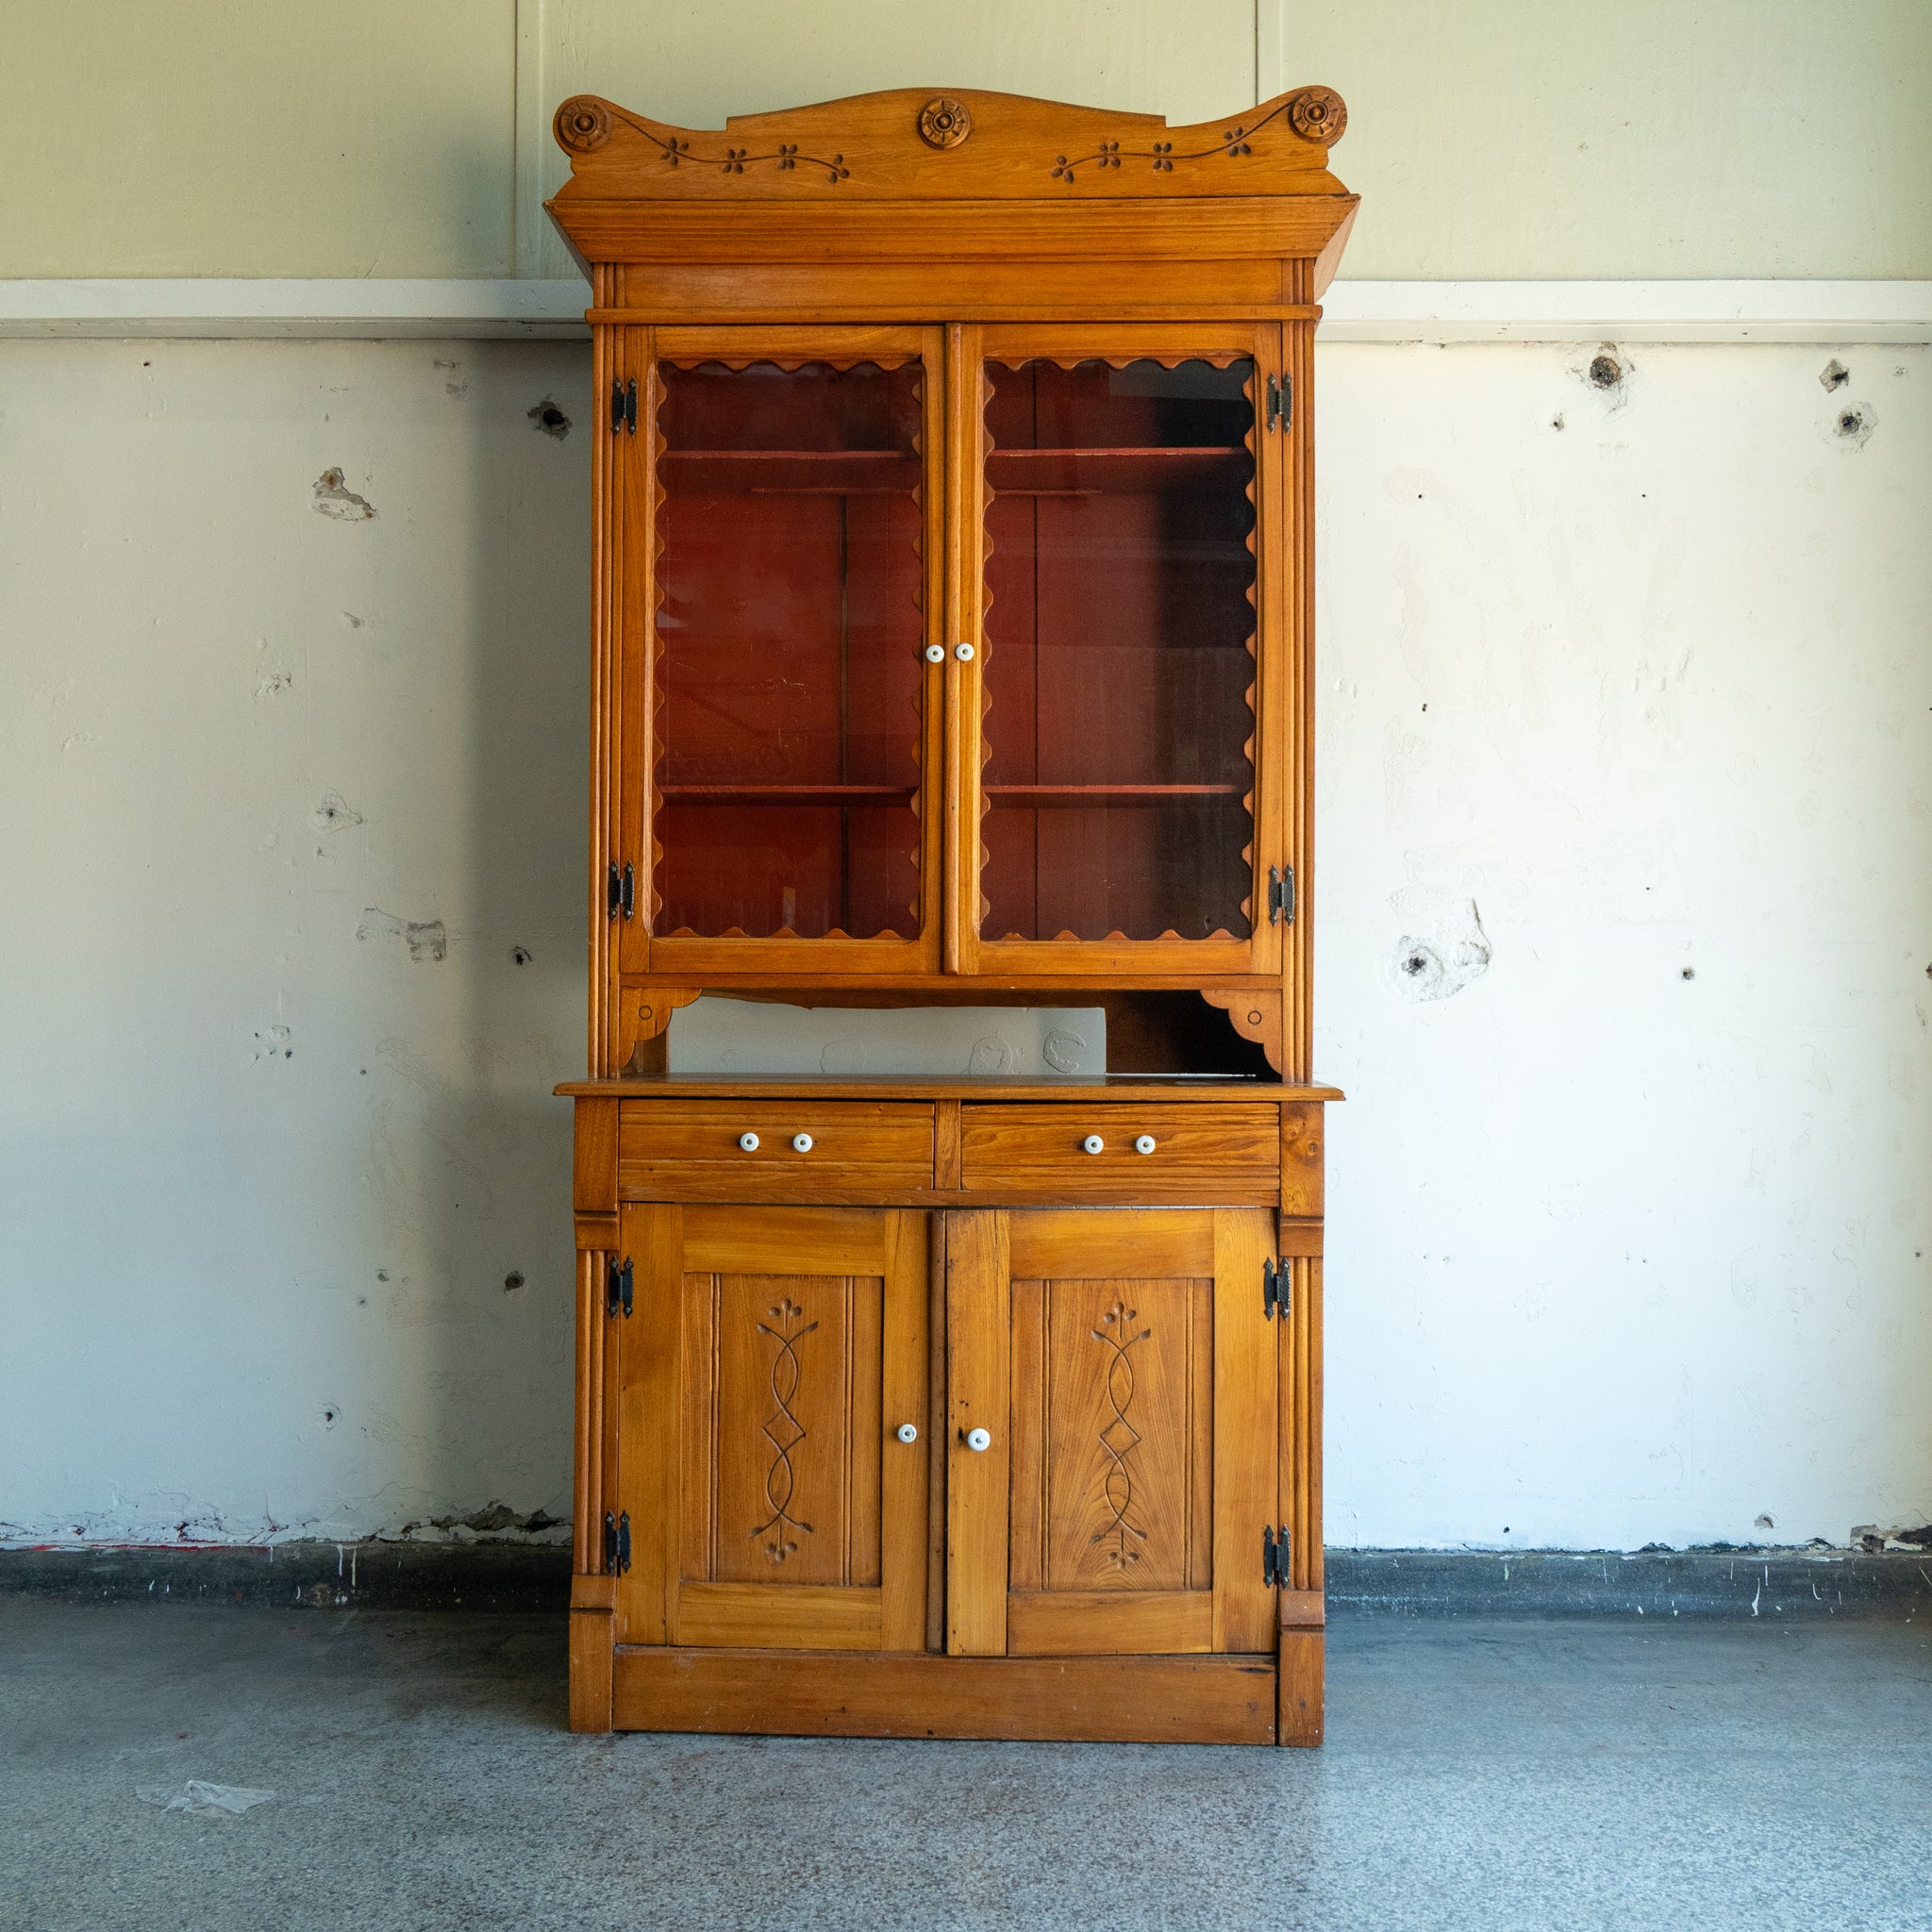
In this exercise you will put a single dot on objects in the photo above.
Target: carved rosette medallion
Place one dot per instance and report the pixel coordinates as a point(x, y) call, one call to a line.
point(945, 121)
point(1317, 113)
point(582, 124)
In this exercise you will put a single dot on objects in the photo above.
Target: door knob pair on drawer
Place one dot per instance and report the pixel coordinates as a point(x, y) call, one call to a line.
point(801, 1143)
point(975, 1438)
point(1143, 1144)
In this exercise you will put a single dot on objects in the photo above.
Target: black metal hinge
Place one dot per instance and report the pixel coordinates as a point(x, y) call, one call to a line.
point(1275, 1559)
point(1281, 895)
point(1280, 401)
point(1275, 1278)
point(618, 1284)
point(616, 1543)
point(623, 407)
point(620, 890)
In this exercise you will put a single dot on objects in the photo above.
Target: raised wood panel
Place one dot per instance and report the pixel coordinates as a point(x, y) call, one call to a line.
point(802, 1617)
point(1122, 1425)
point(1231, 1154)
point(1138, 1241)
point(1082, 1622)
point(736, 1240)
point(1152, 1700)
point(794, 1426)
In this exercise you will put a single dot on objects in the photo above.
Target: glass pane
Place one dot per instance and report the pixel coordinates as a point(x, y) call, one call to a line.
point(1120, 651)
point(789, 631)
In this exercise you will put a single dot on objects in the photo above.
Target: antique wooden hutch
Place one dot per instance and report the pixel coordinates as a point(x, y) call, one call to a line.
point(953, 643)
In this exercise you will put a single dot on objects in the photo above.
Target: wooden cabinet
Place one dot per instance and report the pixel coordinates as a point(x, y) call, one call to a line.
point(952, 642)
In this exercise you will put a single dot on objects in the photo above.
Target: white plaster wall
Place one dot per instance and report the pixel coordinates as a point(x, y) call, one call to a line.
point(1616, 1255)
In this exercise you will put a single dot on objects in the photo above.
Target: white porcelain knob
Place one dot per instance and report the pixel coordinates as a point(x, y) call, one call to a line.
point(963, 652)
point(1143, 1144)
point(1092, 1144)
point(935, 654)
point(801, 1143)
point(979, 1438)
point(906, 1433)
point(749, 1143)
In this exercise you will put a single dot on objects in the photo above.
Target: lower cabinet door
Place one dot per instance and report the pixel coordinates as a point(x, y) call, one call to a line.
point(1111, 1441)
point(772, 1360)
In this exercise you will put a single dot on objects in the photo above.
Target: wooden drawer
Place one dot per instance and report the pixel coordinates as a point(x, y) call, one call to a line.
point(1219, 1156)
point(689, 1150)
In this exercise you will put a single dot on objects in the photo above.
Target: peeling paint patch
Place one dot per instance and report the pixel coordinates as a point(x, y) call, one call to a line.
point(1438, 963)
point(428, 939)
point(548, 419)
point(1834, 375)
point(335, 812)
point(1851, 426)
point(1872, 1540)
point(334, 498)
point(494, 1519)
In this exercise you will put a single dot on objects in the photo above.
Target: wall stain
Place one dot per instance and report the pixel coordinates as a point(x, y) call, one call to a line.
point(426, 939)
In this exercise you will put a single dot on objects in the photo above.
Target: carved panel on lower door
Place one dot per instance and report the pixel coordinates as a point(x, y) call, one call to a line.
point(793, 1428)
point(1113, 1454)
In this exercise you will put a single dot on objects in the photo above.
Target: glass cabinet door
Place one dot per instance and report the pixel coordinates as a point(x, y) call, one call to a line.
point(793, 710)
point(1118, 656)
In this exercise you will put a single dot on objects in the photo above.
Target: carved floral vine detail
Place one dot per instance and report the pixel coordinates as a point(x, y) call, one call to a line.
point(1315, 113)
point(1120, 1437)
point(784, 1431)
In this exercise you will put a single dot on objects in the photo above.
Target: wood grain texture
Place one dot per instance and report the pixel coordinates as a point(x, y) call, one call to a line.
point(1301, 1162)
point(1068, 1243)
point(587, 1490)
point(594, 1157)
point(937, 1355)
point(1246, 1421)
point(591, 1659)
point(650, 1345)
point(1154, 1700)
point(1300, 1687)
point(978, 1339)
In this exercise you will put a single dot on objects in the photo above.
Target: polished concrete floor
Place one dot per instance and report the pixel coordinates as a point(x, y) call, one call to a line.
point(1498, 1775)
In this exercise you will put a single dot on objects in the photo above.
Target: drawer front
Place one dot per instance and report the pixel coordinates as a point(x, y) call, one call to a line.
point(691, 1150)
point(1211, 1155)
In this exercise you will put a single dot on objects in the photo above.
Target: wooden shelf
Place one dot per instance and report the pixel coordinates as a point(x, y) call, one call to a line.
point(786, 795)
point(1106, 471)
point(1031, 796)
point(791, 472)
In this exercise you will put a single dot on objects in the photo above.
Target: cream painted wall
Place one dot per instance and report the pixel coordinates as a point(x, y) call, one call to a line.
point(1511, 139)
point(1617, 1255)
